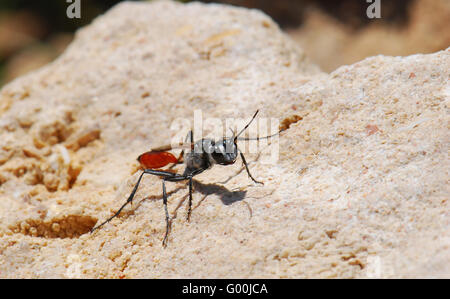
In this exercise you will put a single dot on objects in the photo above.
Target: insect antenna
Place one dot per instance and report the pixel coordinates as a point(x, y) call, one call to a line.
point(245, 128)
point(236, 137)
point(258, 138)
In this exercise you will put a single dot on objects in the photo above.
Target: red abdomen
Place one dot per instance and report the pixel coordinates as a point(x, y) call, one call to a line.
point(156, 159)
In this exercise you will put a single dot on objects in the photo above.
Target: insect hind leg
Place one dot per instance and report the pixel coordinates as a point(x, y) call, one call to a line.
point(129, 200)
point(168, 224)
point(164, 174)
point(188, 217)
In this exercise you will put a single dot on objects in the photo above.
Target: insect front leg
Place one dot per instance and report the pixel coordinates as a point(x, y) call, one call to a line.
point(248, 171)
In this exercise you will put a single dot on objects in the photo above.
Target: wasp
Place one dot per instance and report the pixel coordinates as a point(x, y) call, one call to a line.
point(202, 155)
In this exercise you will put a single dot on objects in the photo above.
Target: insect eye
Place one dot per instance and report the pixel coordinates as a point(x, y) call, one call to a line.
point(229, 147)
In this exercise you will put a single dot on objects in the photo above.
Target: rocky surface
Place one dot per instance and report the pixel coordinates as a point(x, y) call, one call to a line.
point(360, 188)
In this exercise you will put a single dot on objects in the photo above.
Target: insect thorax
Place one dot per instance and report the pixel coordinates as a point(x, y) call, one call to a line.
point(199, 157)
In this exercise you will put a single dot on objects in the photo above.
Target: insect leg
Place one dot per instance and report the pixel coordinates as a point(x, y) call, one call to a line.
point(188, 218)
point(176, 178)
point(248, 171)
point(170, 177)
point(129, 200)
point(164, 243)
point(187, 176)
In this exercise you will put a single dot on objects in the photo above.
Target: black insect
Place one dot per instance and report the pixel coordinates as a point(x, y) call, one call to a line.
point(202, 155)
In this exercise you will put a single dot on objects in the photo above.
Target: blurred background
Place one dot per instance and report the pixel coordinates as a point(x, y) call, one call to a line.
point(332, 33)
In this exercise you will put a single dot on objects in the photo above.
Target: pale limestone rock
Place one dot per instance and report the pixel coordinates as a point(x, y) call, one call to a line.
point(360, 188)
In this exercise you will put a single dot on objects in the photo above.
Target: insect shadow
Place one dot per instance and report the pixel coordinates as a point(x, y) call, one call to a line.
point(226, 196)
